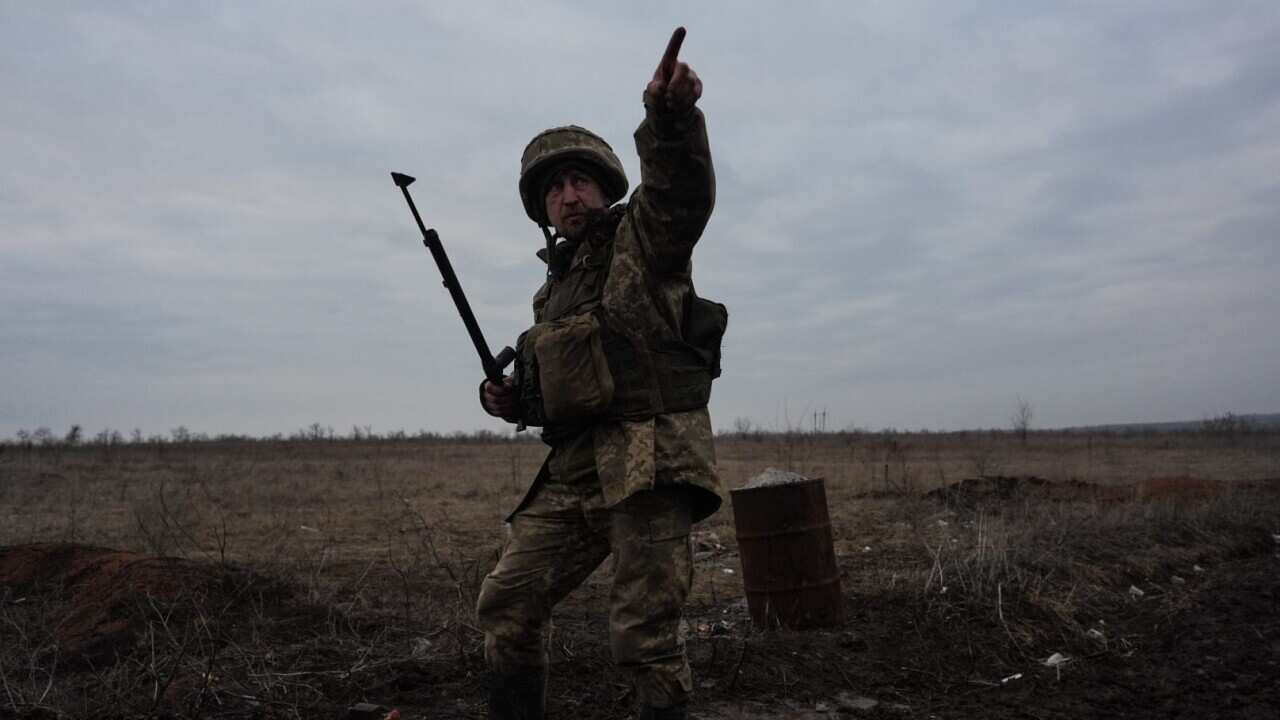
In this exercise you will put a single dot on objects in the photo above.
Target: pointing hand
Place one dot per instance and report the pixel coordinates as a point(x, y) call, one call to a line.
point(675, 87)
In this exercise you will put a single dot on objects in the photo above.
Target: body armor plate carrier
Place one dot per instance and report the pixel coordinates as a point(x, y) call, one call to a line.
point(574, 369)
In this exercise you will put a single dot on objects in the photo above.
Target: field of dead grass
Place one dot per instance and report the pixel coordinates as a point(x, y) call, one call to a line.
point(308, 576)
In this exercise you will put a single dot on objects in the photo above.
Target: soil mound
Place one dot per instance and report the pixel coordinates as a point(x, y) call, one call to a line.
point(108, 598)
point(1182, 487)
point(972, 491)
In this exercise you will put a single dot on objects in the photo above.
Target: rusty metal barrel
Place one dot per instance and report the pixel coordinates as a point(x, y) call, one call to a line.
point(788, 561)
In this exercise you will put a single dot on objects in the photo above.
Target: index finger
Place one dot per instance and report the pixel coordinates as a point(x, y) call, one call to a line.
point(668, 62)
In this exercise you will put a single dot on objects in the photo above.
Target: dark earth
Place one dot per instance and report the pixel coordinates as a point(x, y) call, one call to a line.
point(125, 635)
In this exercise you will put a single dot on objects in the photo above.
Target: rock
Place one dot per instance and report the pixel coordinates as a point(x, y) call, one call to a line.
point(1056, 659)
point(706, 541)
point(369, 711)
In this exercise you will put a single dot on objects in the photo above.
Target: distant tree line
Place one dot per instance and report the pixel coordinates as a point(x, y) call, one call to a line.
point(43, 437)
point(1228, 424)
point(1225, 425)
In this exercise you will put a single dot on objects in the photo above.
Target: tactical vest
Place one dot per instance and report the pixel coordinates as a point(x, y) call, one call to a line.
point(574, 368)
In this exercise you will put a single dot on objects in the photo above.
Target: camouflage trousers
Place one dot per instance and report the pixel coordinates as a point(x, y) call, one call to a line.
point(557, 540)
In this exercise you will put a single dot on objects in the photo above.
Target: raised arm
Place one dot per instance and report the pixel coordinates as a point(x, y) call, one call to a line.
point(677, 182)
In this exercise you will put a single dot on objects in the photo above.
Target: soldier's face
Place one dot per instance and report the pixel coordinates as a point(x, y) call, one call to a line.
point(571, 193)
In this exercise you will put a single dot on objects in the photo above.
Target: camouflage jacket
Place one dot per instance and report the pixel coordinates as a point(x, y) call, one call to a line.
point(647, 287)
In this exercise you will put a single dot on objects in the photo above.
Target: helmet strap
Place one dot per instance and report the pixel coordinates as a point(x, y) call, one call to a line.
point(553, 268)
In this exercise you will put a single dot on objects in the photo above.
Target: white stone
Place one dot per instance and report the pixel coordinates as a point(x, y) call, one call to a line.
point(1056, 659)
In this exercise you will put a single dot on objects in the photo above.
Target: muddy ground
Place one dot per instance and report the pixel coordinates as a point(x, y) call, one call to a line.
point(1198, 637)
point(1162, 596)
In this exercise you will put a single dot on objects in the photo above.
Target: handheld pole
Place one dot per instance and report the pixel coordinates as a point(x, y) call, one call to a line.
point(493, 367)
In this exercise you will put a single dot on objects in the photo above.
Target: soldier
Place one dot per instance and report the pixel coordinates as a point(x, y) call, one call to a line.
point(617, 370)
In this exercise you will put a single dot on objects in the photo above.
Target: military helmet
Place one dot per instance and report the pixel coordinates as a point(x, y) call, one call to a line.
point(568, 142)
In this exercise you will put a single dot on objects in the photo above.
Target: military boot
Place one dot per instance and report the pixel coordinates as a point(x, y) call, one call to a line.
point(517, 696)
point(675, 712)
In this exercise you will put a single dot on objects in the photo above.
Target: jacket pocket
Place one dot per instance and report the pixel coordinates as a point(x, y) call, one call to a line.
point(572, 370)
point(704, 327)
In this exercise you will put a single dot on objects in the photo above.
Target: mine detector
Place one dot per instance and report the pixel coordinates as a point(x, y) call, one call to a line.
point(493, 366)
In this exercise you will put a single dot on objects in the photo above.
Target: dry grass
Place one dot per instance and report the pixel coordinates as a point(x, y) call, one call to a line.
point(384, 545)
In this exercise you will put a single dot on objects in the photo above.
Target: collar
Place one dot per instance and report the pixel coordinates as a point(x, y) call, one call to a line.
point(601, 226)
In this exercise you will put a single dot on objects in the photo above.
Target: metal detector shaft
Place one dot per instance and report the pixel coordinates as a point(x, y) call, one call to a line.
point(493, 367)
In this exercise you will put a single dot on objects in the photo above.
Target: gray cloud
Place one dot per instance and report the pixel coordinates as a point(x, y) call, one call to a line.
point(923, 210)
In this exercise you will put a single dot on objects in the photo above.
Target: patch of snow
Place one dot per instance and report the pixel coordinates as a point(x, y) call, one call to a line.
point(773, 476)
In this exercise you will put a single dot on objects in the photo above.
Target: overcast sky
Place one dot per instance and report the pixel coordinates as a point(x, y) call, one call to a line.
point(925, 211)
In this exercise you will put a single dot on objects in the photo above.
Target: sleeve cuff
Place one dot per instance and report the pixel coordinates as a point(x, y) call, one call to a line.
point(669, 126)
point(482, 405)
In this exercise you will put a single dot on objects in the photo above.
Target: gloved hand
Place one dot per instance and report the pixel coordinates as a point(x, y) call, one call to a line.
point(500, 400)
point(675, 87)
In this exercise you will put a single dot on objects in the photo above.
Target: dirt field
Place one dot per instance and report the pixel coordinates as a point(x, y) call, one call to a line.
point(294, 579)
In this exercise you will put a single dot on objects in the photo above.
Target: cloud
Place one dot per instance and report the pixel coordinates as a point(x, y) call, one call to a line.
point(923, 210)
